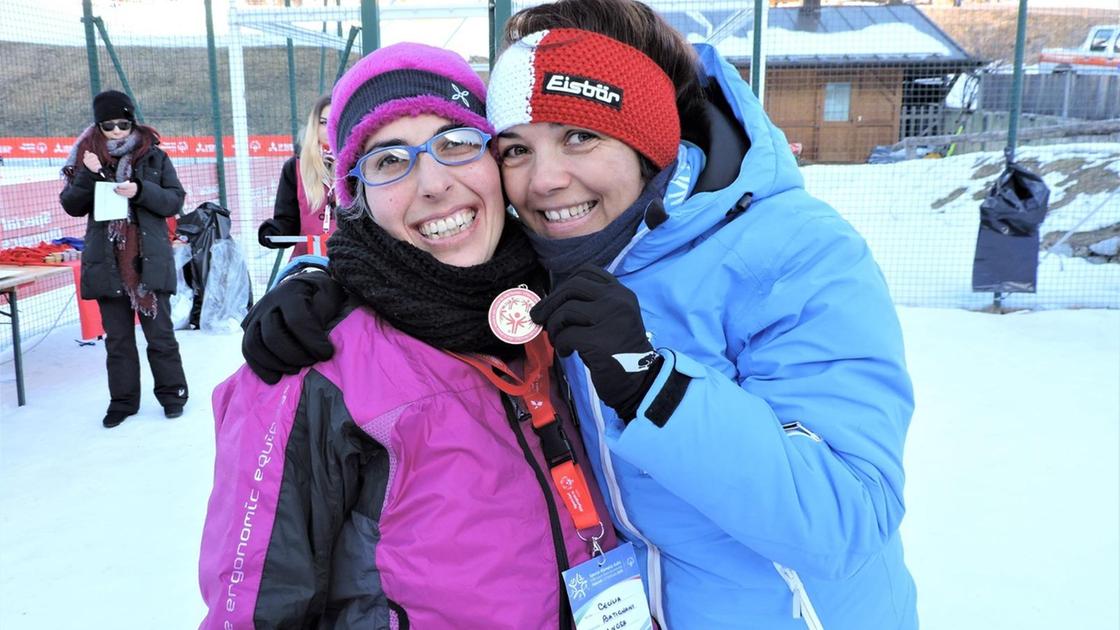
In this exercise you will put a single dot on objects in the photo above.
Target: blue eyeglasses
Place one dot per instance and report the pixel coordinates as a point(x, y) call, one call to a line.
point(453, 147)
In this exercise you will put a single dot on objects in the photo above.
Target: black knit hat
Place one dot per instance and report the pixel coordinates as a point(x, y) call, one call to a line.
point(113, 105)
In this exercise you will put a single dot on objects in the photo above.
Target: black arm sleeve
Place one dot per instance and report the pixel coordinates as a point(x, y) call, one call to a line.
point(160, 191)
point(77, 196)
point(285, 211)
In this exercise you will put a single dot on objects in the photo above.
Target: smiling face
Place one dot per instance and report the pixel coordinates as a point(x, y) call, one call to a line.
point(455, 213)
point(567, 181)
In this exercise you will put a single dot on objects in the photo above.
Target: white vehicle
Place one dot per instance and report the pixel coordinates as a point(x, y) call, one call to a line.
point(1099, 54)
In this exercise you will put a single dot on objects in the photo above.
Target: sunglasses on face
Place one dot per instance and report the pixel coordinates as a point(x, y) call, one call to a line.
point(109, 125)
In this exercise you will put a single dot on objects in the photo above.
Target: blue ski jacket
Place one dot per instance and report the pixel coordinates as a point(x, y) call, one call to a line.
point(771, 496)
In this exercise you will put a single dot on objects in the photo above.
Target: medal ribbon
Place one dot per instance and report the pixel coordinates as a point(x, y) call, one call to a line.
point(534, 388)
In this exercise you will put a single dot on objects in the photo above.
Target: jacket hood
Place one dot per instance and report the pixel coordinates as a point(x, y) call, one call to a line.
point(767, 169)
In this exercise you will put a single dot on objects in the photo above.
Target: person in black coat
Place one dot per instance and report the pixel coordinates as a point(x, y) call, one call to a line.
point(127, 264)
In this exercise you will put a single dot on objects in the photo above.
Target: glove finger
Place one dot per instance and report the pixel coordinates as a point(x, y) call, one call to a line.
point(571, 290)
point(565, 341)
point(310, 337)
point(570, 324)
point(328, 300)
point(259, 358)
point(285, 344)
point(325, 299)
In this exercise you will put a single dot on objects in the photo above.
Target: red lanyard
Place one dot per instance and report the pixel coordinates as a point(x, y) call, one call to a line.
point(534, 389)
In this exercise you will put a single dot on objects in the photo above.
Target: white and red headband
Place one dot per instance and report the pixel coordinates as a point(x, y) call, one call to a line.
point(580, 78)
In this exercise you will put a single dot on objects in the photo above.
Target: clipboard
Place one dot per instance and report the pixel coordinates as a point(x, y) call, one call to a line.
point(107, 204)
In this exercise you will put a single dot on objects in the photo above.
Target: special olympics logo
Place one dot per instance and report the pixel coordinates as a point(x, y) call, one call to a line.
point(509, 316)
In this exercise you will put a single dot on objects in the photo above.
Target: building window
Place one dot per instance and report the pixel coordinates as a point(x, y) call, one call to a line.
point(1100, 40)
point(837, 102)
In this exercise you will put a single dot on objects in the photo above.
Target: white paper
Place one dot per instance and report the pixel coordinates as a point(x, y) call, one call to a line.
point(107, 204)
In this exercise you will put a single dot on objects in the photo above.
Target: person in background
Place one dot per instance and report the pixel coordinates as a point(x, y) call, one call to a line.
point(401, 483)
point(733, 354)
point(127, 264)
point(305, 201)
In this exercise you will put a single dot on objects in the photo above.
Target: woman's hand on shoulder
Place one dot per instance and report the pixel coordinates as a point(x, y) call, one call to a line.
point(289, 328)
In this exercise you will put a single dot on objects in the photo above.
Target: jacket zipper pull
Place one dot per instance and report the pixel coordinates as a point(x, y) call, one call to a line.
point(794, 588)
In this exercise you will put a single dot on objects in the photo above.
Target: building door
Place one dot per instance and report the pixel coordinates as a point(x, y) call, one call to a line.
point(859, 111)
point(837, 128)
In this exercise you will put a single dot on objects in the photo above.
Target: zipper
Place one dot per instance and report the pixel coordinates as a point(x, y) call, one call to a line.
point(802, 607)
point(653, 554)
point(517, 414)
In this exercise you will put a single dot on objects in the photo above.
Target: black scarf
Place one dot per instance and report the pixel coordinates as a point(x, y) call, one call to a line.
point(562, 256)
point(442, 305)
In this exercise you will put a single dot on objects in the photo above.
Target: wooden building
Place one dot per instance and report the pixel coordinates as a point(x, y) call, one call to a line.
point(842, 80)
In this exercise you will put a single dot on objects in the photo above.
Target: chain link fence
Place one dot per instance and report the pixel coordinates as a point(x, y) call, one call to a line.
point(898, 111)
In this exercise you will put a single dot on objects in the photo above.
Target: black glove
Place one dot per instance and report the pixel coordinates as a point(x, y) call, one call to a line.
point(267, 229)
point(594, 314)
point(287, 329)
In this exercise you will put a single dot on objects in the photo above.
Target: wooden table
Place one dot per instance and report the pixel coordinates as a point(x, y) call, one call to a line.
point(12, 277)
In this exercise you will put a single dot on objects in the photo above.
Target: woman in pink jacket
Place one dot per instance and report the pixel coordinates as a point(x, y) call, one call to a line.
point(428, 474)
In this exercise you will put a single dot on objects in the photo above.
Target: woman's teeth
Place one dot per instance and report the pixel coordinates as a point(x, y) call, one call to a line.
point(565, 214)
point(448, 226)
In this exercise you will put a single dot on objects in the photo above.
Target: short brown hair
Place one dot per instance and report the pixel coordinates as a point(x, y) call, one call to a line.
point(637, 25)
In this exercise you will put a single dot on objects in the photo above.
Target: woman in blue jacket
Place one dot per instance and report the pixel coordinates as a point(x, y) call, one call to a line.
point(732, 350)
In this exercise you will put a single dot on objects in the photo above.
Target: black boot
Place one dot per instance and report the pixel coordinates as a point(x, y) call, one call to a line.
point(173, 411)
point(113, 418)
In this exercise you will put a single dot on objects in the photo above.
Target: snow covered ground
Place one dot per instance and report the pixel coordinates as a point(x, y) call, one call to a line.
point(1013, 480)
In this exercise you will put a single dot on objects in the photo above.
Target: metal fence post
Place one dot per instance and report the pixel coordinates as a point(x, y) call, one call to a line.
point(758, 64)
point(215, 106)
point(293, 107)
point(500, 11)
point(117, 65)
point(322, 61)
point(371, 30)
point(1017, 83)
point(344, 56)
point(1016, 108)
point(91, 48)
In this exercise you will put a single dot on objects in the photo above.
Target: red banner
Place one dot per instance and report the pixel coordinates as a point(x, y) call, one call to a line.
point(174, 146)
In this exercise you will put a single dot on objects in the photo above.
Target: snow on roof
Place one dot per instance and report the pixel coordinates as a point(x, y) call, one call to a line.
point(878, 41)
point(836, 34)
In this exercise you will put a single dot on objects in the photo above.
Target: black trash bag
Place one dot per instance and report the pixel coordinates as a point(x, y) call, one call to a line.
point(1007, 245)
point(202, 228)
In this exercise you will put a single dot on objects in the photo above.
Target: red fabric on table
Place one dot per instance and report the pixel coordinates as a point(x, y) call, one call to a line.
point(31, 255)
point(89, 315)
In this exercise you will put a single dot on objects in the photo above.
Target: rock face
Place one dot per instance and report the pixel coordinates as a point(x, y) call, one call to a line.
point(1098, 246)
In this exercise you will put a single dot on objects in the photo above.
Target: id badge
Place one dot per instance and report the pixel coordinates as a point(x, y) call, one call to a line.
point(606, 592)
